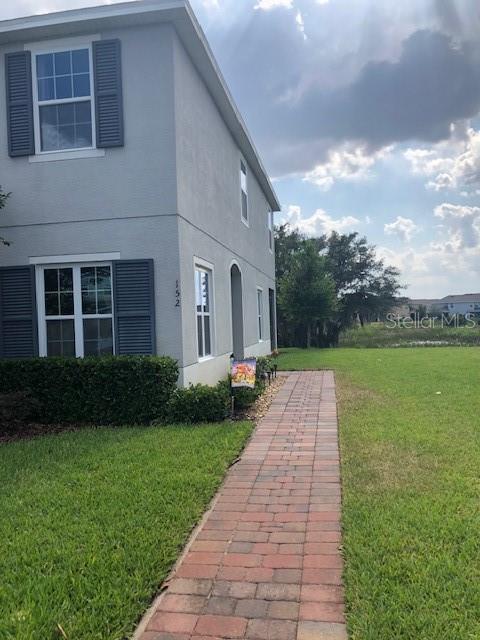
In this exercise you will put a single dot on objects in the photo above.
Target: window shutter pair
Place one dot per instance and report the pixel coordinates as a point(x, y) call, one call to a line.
point(107, 73)
point(134, 310)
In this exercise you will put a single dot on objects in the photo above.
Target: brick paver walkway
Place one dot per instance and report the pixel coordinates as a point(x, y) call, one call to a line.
point(265, 564)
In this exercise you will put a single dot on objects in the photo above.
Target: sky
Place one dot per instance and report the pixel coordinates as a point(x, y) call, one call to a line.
point(366, 114)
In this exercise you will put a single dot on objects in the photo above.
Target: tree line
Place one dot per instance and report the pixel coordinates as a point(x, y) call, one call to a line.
point(327, 284)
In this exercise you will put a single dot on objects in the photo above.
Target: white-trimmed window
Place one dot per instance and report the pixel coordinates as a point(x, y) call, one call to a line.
point(75, 310)
point(260, 314)
point(270, 229)
point(244, 191)
point(63, 98)
point(203, 307)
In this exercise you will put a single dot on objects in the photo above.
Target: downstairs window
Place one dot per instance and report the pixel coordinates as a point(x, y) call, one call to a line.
point(75, 310)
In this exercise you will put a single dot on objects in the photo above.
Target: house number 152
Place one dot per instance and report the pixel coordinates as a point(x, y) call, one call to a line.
point(177, 294)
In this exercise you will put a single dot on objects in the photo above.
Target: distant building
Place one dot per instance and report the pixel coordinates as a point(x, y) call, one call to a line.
point(453, 304)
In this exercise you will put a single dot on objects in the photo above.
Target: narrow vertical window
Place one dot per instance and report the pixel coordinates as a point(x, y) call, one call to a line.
point(260, 313)
point(244, 191)
point(203, 311)
point(270, 229)
point(59, 311)
point(96, 286)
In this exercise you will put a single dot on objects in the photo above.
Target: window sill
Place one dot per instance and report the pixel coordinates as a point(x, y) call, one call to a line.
point(205, 359)
point(245, 222)
point(55, 156)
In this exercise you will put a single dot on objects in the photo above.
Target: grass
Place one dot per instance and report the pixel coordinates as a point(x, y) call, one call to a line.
point(380, 335)
point(410, 443)
point(93, 520)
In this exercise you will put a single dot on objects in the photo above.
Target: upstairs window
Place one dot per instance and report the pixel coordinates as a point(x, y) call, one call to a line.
point(270, 229)
point(63, 100)
point(244, 191)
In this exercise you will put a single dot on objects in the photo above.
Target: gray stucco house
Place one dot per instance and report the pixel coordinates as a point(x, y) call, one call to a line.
point(141, 217)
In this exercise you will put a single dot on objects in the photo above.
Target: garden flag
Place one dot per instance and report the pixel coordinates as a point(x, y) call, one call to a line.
point(243, 373)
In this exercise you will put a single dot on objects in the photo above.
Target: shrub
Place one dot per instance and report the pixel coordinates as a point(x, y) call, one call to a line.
point(107, 390)
point(244, 396)
point(16, 409)
point(264, 365)
point(198, 403)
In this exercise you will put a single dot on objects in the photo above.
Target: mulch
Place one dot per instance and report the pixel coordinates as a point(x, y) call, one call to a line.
point(260, 407)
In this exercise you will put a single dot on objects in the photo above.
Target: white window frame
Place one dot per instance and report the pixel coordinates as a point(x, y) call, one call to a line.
point(56, 46)
point(271, 244)
point(78, 315)
point(245, 220)
point(260, 314)
point(206, 267)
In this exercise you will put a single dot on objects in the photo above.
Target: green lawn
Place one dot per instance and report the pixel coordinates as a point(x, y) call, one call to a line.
point(91, 522)
point(410, 442)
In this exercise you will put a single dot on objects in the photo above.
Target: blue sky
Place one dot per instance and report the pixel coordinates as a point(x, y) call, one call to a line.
point(366, 115)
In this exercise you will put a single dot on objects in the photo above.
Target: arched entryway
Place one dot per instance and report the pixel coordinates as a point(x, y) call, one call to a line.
point(237, 311)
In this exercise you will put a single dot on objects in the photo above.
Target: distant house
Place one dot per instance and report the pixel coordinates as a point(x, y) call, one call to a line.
point(141, 216)
point(453, 304)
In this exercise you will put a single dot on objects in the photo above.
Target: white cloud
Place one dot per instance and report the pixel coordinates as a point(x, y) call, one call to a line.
point(266, 5)
point(345, 163)
point(323, 1)
point(462, 224)
point(450, 263)
point(450, 165)
point(318, 223)
point(211, 4)
point(404, 228)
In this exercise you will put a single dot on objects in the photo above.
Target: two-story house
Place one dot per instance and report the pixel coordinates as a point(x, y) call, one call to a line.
point(462, 305)
point(141, 216)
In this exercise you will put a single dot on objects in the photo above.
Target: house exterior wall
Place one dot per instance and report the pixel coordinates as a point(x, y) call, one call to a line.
point(122, 202)
point(137, 179)
point(211, 228)
point(171, 193)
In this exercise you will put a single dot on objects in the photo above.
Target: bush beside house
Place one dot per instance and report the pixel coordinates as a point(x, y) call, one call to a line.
point(109, 390)
point(112, 391)
point(199, 403)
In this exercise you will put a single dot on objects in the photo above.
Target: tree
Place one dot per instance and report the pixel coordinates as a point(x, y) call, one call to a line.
point(307, 292)
point(3, 199)
point(365, 289)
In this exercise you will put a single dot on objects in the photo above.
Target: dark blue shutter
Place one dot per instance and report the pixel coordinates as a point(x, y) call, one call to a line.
point(107, 65)
point(18, 75)
point(18, 313)
point(134, 307)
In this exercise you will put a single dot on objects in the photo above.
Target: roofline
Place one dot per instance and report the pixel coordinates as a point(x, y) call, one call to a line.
point(181, 15)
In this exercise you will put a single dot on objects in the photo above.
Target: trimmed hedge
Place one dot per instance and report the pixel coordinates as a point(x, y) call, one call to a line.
point(107, 390)
point(198, 403)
